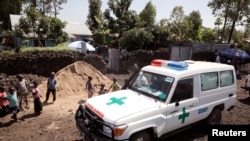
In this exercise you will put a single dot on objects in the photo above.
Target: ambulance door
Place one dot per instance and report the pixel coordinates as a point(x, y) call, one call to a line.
point(181, 109)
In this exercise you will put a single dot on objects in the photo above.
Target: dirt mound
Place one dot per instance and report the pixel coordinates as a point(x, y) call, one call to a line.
point(72, 79)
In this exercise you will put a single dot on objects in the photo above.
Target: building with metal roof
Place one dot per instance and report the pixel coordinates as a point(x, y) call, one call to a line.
point(75, 31)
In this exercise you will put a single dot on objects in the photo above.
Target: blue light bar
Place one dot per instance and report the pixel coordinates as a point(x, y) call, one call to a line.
point(177, 64)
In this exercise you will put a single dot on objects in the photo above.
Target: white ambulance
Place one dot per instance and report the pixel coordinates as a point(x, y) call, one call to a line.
point(160, 99)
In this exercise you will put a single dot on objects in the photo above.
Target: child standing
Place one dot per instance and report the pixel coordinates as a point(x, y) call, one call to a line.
point(4, 104)
point(51, 87)
point(115, 86)
point(102, 89)
point(89, 87)
point(38, 106)
point(22, 90)
point(13, 102)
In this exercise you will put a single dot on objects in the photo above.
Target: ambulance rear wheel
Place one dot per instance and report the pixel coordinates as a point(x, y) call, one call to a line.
point(141, 136)
point(215, 117)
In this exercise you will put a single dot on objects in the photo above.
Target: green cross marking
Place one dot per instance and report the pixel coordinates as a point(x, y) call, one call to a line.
point(116, 100)
point(183, 115)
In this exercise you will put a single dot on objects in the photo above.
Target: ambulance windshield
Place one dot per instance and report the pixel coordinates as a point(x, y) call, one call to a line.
point(153, 85)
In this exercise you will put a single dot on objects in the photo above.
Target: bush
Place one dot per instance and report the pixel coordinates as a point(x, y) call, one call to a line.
point(135, 39)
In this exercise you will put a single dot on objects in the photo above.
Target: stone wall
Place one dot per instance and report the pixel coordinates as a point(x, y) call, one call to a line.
point(43, 63)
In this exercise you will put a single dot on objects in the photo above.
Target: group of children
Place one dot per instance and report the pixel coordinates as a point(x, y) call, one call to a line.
point(115, 86)
point(11, 100)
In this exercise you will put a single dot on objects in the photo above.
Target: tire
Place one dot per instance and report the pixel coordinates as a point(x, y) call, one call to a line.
point(215, 117)
point(141, 136)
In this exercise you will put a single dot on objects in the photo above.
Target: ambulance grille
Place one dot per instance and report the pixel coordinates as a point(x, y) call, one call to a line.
point(96, 121)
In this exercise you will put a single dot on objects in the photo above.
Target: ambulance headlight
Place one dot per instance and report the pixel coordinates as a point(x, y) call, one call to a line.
point(118, 130)
point(107, 130)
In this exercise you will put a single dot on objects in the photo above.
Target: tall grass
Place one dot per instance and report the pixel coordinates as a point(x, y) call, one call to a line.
point(27, 50)
point(58, 48)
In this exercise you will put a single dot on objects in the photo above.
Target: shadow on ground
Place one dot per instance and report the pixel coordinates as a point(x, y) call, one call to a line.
point(245, 101)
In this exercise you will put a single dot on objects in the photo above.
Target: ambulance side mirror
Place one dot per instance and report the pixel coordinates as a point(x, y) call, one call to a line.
point(177, 103)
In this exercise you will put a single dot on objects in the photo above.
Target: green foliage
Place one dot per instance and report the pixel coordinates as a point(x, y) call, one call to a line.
point(55, 31)
point(136, 39)
point(101, 38)
point(195, 21)
point(161, 33)
point(176, 19)
point(118, 17)
point(232, 13)
point(41, 25)
point(238, 36)
point(148, 15)
point(188, 28)
point(95, 19)
point(208, 35)
point(8, 33)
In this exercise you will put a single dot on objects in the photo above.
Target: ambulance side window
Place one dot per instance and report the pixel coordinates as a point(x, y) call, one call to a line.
point(183, 90)
point(226, 78)
point(209, 81)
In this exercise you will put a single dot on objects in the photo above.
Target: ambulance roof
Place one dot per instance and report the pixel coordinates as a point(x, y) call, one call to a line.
point(180, 69)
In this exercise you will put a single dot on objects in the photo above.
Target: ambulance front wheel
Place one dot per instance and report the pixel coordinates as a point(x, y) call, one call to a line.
point(215, 117)
point(141, 136)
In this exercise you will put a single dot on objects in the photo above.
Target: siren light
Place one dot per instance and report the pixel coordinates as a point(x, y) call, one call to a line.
point(170, 64)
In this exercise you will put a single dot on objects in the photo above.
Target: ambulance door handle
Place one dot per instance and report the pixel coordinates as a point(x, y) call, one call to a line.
point(191, 105)
point(230, 95)
point(173, 112)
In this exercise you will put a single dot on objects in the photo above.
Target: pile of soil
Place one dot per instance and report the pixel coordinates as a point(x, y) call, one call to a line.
point(57, 123)
point(72, 79)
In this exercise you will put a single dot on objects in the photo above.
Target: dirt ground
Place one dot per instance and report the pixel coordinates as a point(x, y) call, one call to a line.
point(57, 123)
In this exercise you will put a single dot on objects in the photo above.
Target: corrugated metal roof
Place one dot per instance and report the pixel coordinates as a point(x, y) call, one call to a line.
point(77, 28)
point(14, 20)
point(72, 28)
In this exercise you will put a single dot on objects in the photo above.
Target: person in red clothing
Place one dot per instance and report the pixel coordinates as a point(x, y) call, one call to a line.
point(38, 106)
point(4, 103)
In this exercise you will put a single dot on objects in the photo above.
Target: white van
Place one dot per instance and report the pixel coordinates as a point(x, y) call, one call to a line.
point(162, 98)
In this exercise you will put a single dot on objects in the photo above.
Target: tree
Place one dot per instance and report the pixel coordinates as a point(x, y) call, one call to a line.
point(176, 19)
point(163, 22)
point(239, 11)
point(118, 17)
point(46, 7)
point(94, 19)
point(247, 31)
point(29, 23)
point(220, 9)
point(41, 26)
point(182, 27)
point(136, 39)
point(208, 35)
point(148, 14)
point(234, 12)
point(194, 19)
point(161, 32)
point(218, 22)
point(55, 32)
point(57, 6)
point(8, 7)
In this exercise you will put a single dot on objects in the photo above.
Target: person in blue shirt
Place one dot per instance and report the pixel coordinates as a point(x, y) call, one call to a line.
point(13, 102)
point(51, 87)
